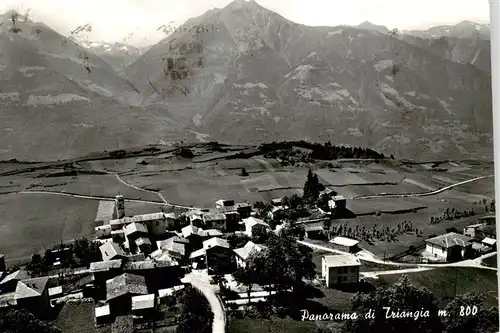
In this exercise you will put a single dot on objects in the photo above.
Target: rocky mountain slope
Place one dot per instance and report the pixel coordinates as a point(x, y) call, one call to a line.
point(245, 74)
point(57, 100)
point(464, 29)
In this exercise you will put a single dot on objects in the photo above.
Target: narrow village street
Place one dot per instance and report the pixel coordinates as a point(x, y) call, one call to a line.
point(201, 281)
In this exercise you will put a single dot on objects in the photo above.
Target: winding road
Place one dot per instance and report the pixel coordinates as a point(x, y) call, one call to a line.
point(201, 281)
point(424, 194)
point(368, 256)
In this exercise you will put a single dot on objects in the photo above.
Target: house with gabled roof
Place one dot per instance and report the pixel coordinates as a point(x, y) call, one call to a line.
point(33, 295)
point(176, 247)
point(9, 282)
point(121, 289)
point(214, 219)
point(243, 253)
point(252, 223)
point(216, 255)
point(448, 247)
point(111, 251)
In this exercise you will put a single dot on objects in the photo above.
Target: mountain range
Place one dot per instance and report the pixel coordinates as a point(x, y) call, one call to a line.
point(244, 74)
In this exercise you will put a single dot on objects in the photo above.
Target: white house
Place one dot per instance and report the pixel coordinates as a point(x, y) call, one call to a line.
point(111, 251)
point(470, 230)
point(224, 203)
point(103, 231)
point(489, 242)
point(251, 223)
point(243, 253)
point(345, 244)
point(340, 269)
point(447, 247)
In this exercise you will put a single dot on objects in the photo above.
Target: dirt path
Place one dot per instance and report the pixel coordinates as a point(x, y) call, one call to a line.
point(201, 282)
point(425, 193)
point(158, 194)
point(368, 256)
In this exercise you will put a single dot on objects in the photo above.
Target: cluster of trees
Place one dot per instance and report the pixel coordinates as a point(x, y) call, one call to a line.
point(290, 156)
point(77, 254)
point(452, 214)
point(404, 296)
point(489, 206)
point(184, 152)
point(195, 312)
point(381, 233)
point(326, 151)
point(22, 321)
point(282, 266)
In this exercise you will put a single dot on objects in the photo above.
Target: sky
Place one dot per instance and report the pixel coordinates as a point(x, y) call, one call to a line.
point(142, 17)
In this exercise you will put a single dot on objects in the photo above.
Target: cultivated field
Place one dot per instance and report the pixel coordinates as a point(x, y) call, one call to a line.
point(213, 175)
point(33, 222)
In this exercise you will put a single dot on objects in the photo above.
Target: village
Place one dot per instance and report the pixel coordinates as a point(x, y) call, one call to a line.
point(143, 261)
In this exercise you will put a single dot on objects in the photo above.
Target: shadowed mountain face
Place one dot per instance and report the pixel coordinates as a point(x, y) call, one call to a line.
point(245, 74)
point(57, 100)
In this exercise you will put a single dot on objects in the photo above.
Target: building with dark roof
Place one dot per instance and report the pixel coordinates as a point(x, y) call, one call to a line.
point(9, 282)
point(447, 247)
point(33, 295)
point(121, 289)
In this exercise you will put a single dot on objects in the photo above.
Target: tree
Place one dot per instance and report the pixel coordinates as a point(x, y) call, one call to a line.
point(311, 187)
point(184, 152)
point(327, 225)
point(485, 321)
point(260, 234)
point(246, 276)
point(195, 312)
point(21, 321)
point(287, 262)
point(36, 266)
point(244, 172)
point(402, 296)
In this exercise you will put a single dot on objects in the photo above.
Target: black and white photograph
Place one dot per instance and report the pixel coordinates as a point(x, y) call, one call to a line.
point(247, 166)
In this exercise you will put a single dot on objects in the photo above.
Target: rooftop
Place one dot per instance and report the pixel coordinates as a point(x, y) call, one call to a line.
point(450, 239)
point(249, 248)
point(314, 228)
point(55, 291)
point(7, 300)
point(102, 311)
point(209, 233)
point(102, 266)
point(135, 227)
point(15, 276)
point(252, 221)
point(140, 218)
point(214, 215)
point(489, 241)
point(31, 287)
point(189, 230)
point(143, 302)
point(111, 249)
point(148, 264)
point(338, 197)
point(125, 284)
point(197, 253)
point(341, 260)
point(142, 241)
point(344, 241)
point(215, 241)
point(169, 291)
